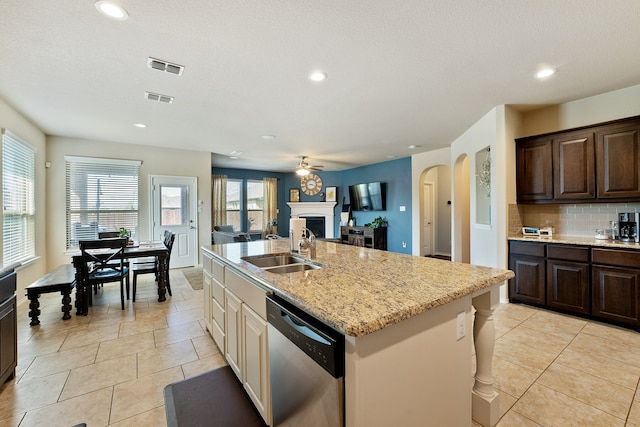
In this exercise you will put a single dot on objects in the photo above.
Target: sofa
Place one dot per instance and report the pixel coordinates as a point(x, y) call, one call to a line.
point(225, 234)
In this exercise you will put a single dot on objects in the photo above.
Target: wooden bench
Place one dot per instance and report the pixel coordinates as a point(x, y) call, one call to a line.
point(62, 279)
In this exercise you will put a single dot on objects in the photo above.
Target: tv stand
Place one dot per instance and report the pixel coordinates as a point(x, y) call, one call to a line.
point(374, 238)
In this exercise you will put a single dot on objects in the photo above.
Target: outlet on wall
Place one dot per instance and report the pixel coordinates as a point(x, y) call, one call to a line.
point(404, 244)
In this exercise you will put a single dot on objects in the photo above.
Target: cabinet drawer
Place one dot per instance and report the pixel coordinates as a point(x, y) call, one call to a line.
point(206, 263)
point(217, 291)
point(616, 257)
point(526, 248)
point(568, 253)
point(218, 336)
point(247, 292)
point(217, 271)
point(218, 314)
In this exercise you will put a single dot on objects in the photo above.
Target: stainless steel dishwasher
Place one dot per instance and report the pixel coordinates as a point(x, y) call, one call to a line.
point(306, 358)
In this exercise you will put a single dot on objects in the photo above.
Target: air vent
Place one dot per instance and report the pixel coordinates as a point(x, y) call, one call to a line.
point(159, 64)
point(157, 97)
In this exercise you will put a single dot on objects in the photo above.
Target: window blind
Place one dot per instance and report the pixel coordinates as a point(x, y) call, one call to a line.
point(18, 199)
point(102, 195)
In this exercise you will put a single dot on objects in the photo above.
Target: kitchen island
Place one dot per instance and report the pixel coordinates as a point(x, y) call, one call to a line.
point(407, 322)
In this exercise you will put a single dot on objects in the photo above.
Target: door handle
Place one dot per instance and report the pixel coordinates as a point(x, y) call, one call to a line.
point(191, 227)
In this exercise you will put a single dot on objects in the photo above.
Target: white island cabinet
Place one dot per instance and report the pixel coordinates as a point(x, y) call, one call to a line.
point(235, 313)
point(410, 325)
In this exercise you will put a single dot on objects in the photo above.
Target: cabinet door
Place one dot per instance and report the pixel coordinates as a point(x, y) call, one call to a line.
point(568, 286)
point(573, 167)
point(256, 360)
point(528, 285)
point(616, 294)
point(618, 161)
point(8, 339)
point(233, 337)
point(534, 172)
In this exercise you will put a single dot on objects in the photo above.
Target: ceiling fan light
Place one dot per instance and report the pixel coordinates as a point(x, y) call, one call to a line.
point(112, 10)
point(302, 172)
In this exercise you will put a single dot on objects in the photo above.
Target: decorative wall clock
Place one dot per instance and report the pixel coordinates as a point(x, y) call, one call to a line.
point(311, 184)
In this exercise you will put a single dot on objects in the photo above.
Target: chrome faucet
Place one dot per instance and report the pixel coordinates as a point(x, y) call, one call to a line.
point(308, 243)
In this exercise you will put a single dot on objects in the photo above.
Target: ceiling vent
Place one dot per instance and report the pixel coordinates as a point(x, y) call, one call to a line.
point(159, 64)
point(157, 97)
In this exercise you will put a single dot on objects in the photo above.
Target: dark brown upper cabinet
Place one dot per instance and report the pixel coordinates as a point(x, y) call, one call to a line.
point(618, 156)
point(585, 165)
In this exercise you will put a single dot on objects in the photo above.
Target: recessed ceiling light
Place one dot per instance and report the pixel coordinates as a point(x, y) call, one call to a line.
point(268, 137)
point(317, 76)
point(392, 156)
point(412, 147)
point(234, 157)
point(545, 72)
point(140, 125)
point(112, 10)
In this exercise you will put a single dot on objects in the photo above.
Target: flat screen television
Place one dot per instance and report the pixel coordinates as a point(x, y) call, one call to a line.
point(368, 197)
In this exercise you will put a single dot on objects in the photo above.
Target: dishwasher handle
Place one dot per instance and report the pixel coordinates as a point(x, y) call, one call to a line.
point(303, 329)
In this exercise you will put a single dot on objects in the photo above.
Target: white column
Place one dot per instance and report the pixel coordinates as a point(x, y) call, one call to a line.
point(485, 401)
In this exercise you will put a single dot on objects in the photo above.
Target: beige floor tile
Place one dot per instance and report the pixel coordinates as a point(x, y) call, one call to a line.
point(178, 333)
point(185, 316)
point(203, 365)
point(18, 398)
point(40, 347)
point(205, 346)
point(551, 408)
point(92, 409)
point(634, 413)
point(506, 402)
point(61, 361)
point(619, 351)
point(12, 421)
point(99, 375)
point(613, 332)
point(526, 356)
point(143, 325)
point(94, 336)
point(556, 323)
point(601, 366)
point(155, 417)
point(141, 395)
point(190, 304)
point(549, 342)
point(162, 358)
point(513, 419)
point(604, 395)
point(517, 312)
point(512, 379)
point(126, 345)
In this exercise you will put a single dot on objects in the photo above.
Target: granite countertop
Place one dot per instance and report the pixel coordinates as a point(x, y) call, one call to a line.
point(579, 240)
point(361, 290)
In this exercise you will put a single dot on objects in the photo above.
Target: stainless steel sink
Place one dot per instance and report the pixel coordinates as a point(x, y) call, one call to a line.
point(282, 263)
point(273, 260)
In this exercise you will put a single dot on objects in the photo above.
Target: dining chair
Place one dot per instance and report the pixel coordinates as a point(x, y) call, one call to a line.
point(153, 266)
point(102, 262)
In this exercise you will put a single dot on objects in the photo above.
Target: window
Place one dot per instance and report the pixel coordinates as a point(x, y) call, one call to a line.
point(255, 204)
point(245, 203)
point(173, 205)
point(234, 204)
point(102, 195)
point(18, 199)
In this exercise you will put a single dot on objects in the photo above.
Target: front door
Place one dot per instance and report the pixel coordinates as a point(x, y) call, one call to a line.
point(174, 208)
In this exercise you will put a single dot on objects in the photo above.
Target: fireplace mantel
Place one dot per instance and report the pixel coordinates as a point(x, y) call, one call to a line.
point(325, 209)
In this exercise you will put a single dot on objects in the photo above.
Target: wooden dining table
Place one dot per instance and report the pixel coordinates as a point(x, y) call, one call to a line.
point(142, 250)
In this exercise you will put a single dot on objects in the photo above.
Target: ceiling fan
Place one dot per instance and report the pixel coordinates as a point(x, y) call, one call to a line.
point(305, 168)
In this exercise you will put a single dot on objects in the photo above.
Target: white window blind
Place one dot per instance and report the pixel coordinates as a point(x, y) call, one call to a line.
point(18, 199)
point(102, 195)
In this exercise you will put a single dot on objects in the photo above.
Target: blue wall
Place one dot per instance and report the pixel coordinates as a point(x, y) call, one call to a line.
point(396, 174)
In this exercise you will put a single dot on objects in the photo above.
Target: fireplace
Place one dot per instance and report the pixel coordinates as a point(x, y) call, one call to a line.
point(316, 225)
point(313, 211)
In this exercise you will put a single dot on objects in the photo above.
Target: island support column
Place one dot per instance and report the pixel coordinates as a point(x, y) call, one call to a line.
point(485, 401)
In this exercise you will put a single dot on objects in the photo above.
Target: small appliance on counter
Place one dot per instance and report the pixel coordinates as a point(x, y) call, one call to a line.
point(628, 226)
point(530, 231)
point(603, 234)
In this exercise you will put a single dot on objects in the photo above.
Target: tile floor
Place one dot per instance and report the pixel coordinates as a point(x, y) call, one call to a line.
point(110, 367)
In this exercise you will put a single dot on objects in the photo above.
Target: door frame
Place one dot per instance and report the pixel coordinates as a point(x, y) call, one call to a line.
point(193, 208)
point(431, 206)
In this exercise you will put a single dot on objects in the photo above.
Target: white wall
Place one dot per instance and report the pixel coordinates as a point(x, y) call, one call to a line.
point(12, 120)
point(155, 161)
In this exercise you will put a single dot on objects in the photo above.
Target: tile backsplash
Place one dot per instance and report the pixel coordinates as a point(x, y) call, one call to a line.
point(568, 220)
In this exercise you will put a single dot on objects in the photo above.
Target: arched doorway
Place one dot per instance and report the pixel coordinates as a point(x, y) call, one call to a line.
point(435, 212)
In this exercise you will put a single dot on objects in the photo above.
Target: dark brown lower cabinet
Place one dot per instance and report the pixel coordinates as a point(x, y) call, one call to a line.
point(568, 278)
point(527, 261)
point(616, 286)
point(8, 341)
